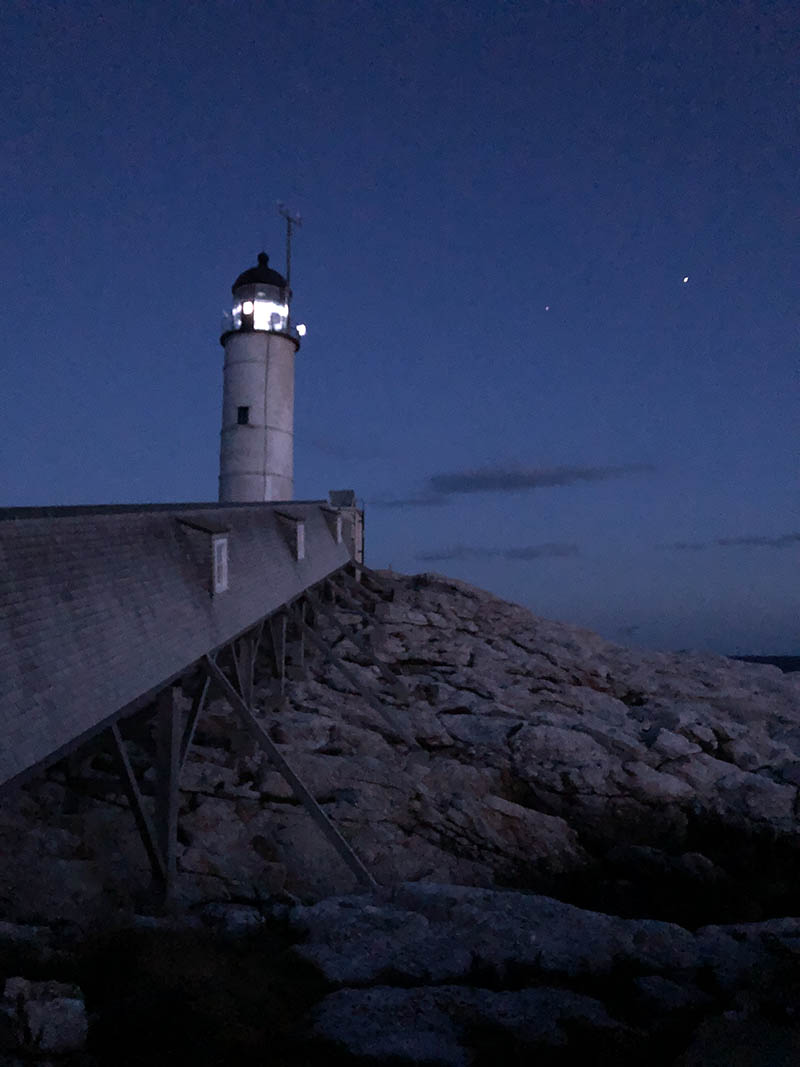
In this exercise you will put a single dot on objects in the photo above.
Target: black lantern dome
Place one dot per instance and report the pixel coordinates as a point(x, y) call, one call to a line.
point(262, 274)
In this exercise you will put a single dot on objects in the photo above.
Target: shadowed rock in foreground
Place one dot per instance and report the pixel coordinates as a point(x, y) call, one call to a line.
point(545, 777)
point(437, 973)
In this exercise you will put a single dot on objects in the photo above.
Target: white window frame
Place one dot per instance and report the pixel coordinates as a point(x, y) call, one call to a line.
point(219, 561)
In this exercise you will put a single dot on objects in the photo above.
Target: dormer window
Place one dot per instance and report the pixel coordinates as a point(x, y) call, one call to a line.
point(333, 517)
point(293, 528)
point(220, 564)
point(209, 546)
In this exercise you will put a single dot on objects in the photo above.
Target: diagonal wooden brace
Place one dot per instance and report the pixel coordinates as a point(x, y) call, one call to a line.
point(168, 769)
point(356, 587)
point(197, 709)
point(143, 821)
point(327, 828)
point(362, 642)
point(379, 581)
point(373, 701)
point(341, 596)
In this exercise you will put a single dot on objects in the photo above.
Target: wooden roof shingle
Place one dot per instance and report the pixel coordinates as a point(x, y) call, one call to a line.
point(99, 606)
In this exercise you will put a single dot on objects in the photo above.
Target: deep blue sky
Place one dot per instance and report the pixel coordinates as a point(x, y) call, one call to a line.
point(626, 460)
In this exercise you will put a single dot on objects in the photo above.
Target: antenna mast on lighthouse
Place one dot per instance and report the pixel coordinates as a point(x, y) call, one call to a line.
point(292, 219)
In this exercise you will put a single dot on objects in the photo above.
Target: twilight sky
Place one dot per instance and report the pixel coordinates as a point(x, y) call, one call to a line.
point(501, 201)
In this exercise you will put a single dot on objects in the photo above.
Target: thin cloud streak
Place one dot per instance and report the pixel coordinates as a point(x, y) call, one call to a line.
point(526, 552)
point(684, 546)
point(427, 501)
point(513, 480)
point(441, 487)
point(753, 541)
point(784, 541)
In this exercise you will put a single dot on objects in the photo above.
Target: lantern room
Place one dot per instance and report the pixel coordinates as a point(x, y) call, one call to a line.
point(260, 302)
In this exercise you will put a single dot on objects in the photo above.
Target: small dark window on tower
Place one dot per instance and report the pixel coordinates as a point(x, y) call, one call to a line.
point(243, 416)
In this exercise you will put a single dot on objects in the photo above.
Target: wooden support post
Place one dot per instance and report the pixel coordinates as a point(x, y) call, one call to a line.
point(168, 764)
point(299, 649)
point(299, 789)
point(245, 658)
point(277, 632)
point(143, 820)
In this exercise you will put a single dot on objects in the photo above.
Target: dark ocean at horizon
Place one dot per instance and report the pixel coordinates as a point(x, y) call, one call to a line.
point(787, 664)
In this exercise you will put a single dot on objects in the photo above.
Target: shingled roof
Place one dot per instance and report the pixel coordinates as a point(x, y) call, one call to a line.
point(100, 606)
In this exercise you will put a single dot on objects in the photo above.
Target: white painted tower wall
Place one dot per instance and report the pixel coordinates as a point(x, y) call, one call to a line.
point(257, 459)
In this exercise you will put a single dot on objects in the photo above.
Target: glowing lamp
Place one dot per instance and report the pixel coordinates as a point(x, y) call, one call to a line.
point(261, 301)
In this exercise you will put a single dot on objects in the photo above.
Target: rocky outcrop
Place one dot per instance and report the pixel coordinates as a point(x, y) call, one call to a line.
point(419, 974)
point(431, 934)
point(536, 756)
point(444, 974)
point(42, 1018)
point(580, 846)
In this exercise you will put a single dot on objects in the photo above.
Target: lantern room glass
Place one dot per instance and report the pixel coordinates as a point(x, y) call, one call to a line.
point(258, 308)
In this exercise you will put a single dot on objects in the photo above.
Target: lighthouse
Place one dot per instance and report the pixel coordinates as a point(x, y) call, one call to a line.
point(256, 459)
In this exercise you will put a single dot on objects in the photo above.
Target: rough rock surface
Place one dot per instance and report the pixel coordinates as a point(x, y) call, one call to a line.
point(437, 973)
point(427, 933)
point(580, 846)
point(419, 974)
point(436, 1025)
point(37, 1018)
point(541, 757)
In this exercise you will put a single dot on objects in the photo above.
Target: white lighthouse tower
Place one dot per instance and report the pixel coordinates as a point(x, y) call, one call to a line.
point(256, 459)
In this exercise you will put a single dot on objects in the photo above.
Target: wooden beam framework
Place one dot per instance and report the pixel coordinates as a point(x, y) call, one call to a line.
point(374, 702)
point(365, 645)
point(340, 594)
point(245, 713)
point(238, 659)
point(344, 577)
point(144, 823)
point(196, 710)
point(168, 769)
point(297, 648)
point(277, 631)
point(244, 656)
